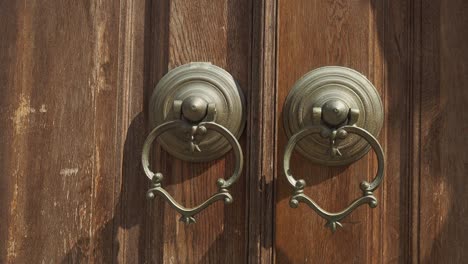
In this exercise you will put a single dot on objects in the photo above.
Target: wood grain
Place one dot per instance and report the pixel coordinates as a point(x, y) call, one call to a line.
point(413, 52)
point(372, 37)
point(218, 32)
point(443, 208)
point(262, 134)
point(399, 41)
point(60, 152)
point(76, 78)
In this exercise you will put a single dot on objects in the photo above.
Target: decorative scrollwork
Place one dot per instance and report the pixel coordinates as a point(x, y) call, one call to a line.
point(333, 219)
point(223, 185)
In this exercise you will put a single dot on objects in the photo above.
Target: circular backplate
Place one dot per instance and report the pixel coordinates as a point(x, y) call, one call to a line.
point(214, 85)
point(325, 84)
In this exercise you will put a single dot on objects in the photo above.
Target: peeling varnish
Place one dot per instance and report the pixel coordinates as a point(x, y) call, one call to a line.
point(97, 165)
point(69, 172)
point(102, 59)
point(11, 250)
point(43, 109)
point(21, 116)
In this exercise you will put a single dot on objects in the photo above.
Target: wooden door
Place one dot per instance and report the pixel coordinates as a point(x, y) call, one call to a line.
point(412, 52)
point(76, 77)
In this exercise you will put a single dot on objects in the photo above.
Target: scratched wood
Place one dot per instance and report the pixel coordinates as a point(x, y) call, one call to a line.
point(75, 79)
point(67, 78)
point(60, 143)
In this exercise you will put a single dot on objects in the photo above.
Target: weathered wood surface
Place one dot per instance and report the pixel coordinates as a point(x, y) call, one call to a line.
point(75, 79)
point(72, 82)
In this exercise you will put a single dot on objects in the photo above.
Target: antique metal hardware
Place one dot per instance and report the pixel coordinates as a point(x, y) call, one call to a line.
point(203, 108)
point(323, 108)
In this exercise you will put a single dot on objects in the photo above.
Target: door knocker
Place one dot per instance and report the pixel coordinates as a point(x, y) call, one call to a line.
point(203, 108)
point(333, 115)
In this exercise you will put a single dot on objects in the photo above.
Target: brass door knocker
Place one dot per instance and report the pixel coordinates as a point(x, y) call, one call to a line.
point(203, 108)
point(321, 112)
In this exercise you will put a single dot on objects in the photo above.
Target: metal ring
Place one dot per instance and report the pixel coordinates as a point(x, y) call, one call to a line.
point(156, 178)
point(367, 188)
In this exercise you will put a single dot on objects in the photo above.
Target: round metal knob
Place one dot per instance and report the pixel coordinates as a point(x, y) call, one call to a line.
point(335, 112)
point(336, 91)
point(197, 85)
point(194, 108)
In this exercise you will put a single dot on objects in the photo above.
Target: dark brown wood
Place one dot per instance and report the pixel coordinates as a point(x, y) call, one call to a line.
point(262, 133)
point(131, 225)
point(443, 208)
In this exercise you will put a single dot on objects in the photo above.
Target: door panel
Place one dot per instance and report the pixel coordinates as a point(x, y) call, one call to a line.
point(76, 81)
point(60, 141)
point(313, 34)
point(443, 213)
point(216, 32)
point(411, 52)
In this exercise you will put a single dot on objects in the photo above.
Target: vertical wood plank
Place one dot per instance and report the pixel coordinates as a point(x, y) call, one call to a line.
point(8, 103)
point(443, 184)
point(399, 39)
point(58, 54)
point(69, 73)
point(377, 39)
point(74, 124)
point(314, 34)
point(415, 140)
point(262, 134)
point(218, 32)
point(106, 131)
point(130, 225)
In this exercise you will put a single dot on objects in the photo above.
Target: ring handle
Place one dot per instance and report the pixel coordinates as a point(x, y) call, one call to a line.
point(223, 185)
point(333, 219)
